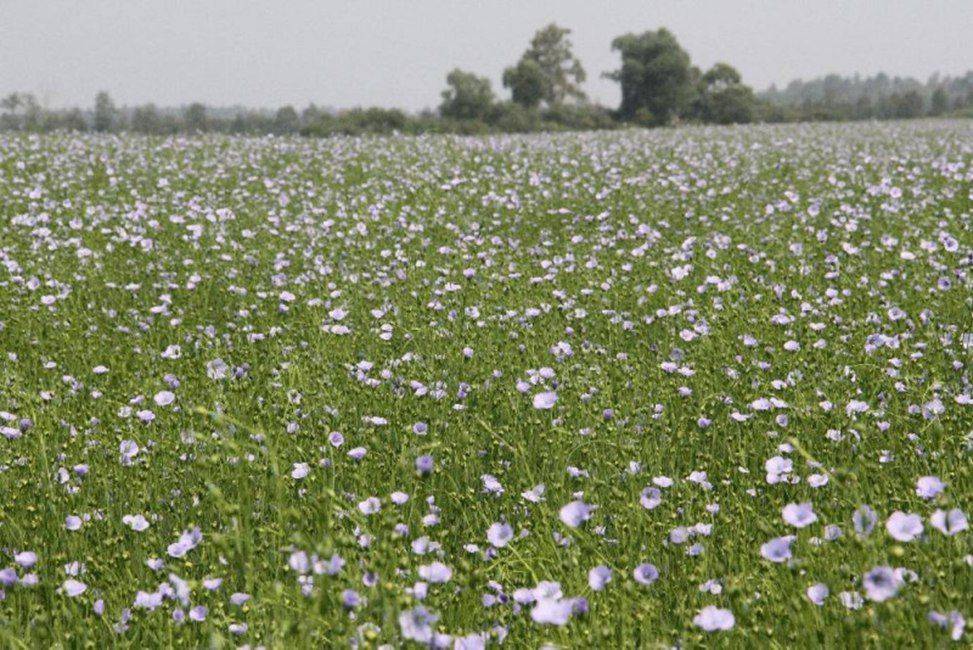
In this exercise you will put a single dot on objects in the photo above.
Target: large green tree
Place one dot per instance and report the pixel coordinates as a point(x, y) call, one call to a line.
point(467, 96)
point(656, 77)
point(723, 98)
point(547, 71)
point(526, 83)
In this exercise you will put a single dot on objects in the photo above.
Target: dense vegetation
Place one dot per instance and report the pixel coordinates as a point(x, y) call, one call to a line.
point(659, 85)
point(621, 389)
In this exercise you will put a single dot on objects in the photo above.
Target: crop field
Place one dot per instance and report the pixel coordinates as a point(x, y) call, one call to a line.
point(694, 387)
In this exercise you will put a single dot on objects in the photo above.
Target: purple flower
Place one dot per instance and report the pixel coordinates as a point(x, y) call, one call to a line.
point(799, 515)
point(576, 513)
point(127, 451)
point(350, 598)
point(164, 398)
point(777, 549)
point(864, 520)
point(904, 527)
point(424, 464)
point(138, 523)
point(498, 534)
point(239, 598)
point(416, 624)
point(552, 611)
point(712, 619)
point(73, 588)
point(599, 577)
point(436, 573)
point(470, 642)
point(645, 574)
point(651, 497)
point(949, 523)
point(147, 600)
point(8, 577)
point(816, 593)
point(217, 369)
point(953, 620)
point(881, 583)
point(928, 487)
point(26, 559)
point(370, 506)
point(299, 562)
point(545, 401)
point(186, 542)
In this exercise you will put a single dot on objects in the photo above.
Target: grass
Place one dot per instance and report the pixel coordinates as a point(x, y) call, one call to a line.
point(116, 248)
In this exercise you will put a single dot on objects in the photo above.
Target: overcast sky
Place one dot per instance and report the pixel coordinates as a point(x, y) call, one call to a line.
point(345, 53)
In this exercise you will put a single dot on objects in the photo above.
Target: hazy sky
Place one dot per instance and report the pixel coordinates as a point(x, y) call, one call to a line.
point(346, 53)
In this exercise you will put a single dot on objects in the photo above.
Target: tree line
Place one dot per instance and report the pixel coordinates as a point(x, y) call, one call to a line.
point(659, 86)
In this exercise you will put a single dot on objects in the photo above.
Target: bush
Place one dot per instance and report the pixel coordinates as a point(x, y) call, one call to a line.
point(511, 117)
point(580, 117)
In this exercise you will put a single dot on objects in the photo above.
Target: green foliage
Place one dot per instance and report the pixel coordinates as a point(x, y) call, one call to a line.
point(722, 98)
point(659, 85)
point(526, 83)
point(467, 96)
point(579, 117)
point(939, 102)
point(834, 97)
point(547, 72)
point(514, 117)
point(286, 120)
point(106, 114)
point(195, 116)
point(22, 112)
point(656, 76)
point(358, 121)
point(146, 119)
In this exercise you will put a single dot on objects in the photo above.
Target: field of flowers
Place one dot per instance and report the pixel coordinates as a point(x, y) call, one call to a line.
point(703, 386)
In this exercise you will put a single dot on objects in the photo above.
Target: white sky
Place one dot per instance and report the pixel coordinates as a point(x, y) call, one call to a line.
point(345, 53)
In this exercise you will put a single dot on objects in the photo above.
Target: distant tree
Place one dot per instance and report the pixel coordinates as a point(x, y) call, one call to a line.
point(467, 96)
point(73, 120)
point(939, 102)
point(106, 115)
point(145, 119)
point(21, 111)
point(880, 96)
point(656, 77)
point(286, 120)
point(195, 117)
point(514, 117)
point(33, 113)
point(10, 103)
point(311, 114)
point(736, 104)
point(547, 71)
point(863, 108)
point(906, 105)
point(9, 118)
point(526, 83)
point(720, 76)
point(722, 98)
